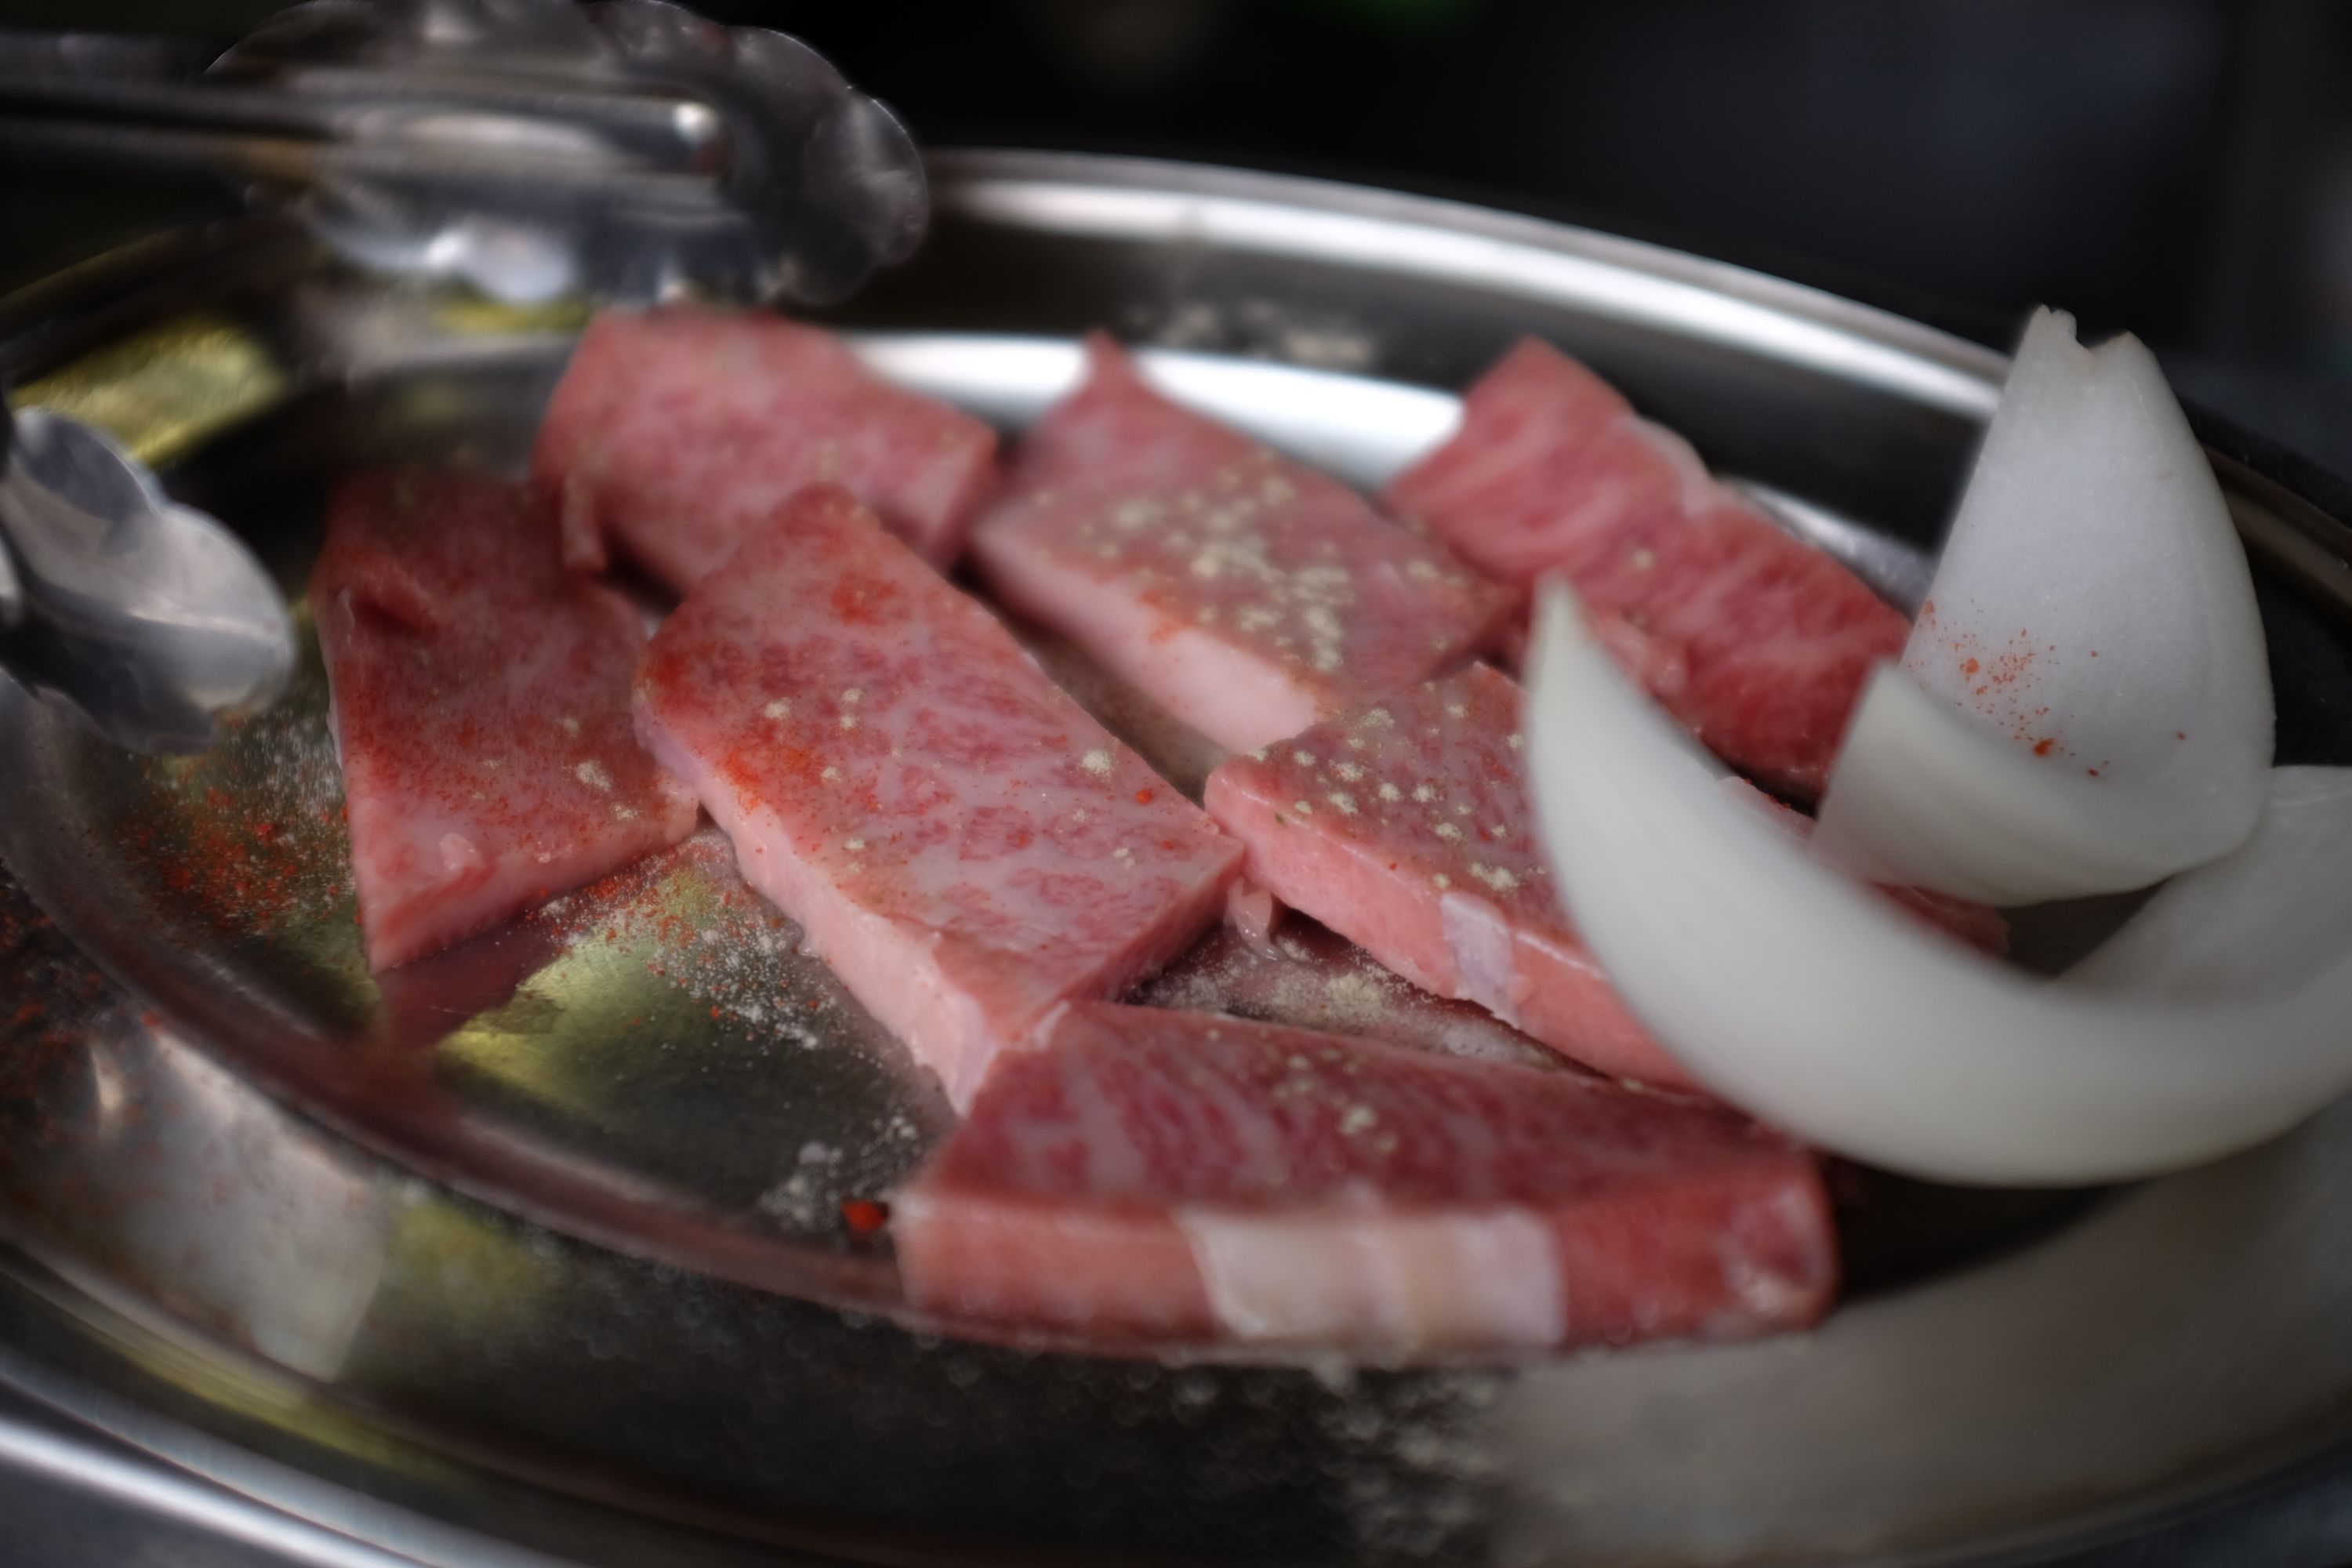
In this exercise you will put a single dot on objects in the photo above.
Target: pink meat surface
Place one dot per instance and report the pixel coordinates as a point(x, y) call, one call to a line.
point(1245, 593)
point(676, 430)
point(481, 707)
point(1407, 828)
point(1186, 1174)
point(1757, 642)
point(965, 846)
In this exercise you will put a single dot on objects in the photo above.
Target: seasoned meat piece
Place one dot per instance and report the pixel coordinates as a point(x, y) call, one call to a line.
point(481, 708)
point(1757, 641)
point(674, 431)
point(966, 847)
point(1407, 828)
point(1244, 593)
point(1183, 1173)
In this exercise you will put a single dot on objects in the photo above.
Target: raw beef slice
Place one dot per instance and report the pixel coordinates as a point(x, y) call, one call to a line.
point(1245, 593)
point(1407, 828)
point(676, 430)
point(1186, 1174)
point(481, 708)
point(966, 848)
point(1756, 641)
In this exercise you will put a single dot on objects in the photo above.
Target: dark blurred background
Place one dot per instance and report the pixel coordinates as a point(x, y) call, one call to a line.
point(2179, 167)
point(2183, 167)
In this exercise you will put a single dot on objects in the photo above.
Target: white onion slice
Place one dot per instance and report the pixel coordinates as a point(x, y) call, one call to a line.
point(1796, 994)
point(2275, 913)
point(2084, 705)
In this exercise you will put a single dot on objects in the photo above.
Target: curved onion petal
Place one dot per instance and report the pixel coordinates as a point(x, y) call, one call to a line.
point(2275, 913)
point(1791, 990)
point(2084, 705)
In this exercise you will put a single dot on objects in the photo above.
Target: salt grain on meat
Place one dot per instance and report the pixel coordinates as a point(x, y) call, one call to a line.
point(1245, 593)
point(1407, 827)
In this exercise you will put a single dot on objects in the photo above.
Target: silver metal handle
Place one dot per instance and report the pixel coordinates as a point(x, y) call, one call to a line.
point(137, 102)
point(529, 147)
point(147, 617)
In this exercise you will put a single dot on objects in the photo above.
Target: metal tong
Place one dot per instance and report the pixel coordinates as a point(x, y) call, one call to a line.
point(531, 148)
point(149, 618)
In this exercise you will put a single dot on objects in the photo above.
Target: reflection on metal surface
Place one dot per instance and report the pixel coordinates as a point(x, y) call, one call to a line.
point(162, 391)
point(2050, 1378)
point(278, 1241)
point(629, 1067)
point(2286, 532)
point(1443, 242)
point(215, 1489)
point(1898, 571)
point(173, 1175)
point(1364, 431)
point(84, 1467)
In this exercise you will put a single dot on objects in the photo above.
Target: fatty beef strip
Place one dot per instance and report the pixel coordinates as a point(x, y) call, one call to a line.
point(481, 710)
point(965, 848)
point(1406, 827)
point(1182, 1173)
point(1757, 642)
point(674, 431)
point(1245, 593)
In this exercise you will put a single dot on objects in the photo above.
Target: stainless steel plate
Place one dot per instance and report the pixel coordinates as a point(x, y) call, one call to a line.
point(564, 1204)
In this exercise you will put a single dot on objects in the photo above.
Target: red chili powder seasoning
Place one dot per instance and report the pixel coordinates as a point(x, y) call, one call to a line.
point(250, 835)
